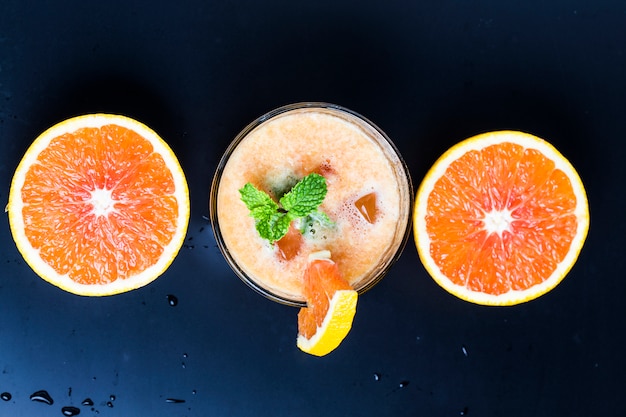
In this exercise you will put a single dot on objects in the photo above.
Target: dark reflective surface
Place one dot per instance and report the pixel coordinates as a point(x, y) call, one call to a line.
point(197, 341)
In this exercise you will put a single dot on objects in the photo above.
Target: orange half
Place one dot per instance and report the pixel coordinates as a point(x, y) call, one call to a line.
point(99, 205)
point(500, 218)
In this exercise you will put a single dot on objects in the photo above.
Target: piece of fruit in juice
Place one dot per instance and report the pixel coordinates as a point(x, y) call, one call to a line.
point(289, 245)
point(367, 207)
point(325, 169)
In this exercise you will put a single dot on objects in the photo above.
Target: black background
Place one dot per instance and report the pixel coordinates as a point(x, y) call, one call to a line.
point(429, 73)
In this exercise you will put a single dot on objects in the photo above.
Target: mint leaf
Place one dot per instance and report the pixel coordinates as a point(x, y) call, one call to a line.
point(265, 212)
point(305, 196)
point(320, 217)
point(259, 203)
point(310, 222)
point(273, 227)
point(272, 219)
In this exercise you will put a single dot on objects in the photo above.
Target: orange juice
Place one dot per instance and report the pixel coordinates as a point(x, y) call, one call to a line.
point(368, 199)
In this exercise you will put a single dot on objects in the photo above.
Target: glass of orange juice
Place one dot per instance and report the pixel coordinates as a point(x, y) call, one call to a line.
point(368, 199)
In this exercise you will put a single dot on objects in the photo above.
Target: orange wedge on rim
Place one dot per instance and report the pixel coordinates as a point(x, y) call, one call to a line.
point(331, 306)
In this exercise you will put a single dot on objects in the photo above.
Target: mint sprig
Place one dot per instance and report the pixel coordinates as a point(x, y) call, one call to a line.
point(272, 219)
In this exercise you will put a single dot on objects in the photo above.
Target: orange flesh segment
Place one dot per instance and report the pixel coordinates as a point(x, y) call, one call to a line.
point(289, 245)
point(97, 248)
point(321, 280)
point(367, 207)
point(523, 184)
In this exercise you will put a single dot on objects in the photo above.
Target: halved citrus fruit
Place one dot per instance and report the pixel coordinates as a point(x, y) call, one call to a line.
point(99, 205)
point(331, 306)
point(500, 218)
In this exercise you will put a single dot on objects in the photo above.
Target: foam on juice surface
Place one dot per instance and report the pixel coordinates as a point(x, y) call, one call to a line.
point(274, 157)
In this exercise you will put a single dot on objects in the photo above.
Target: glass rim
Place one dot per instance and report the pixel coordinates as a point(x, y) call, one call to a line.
point(322, 106)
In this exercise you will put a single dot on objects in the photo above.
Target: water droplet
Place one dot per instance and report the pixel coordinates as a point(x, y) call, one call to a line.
point(184, 365)
point(70, 411)
point(464, 411)
point(109, 404)
point(87, 402)
point(174, 401)
point(112, 397)
point(42, 397)
point(403, 384)
point(194, 392)
point(185, 355)
point(376, 376)
point(172, 300)
point(6, 396)
point(464, 349)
